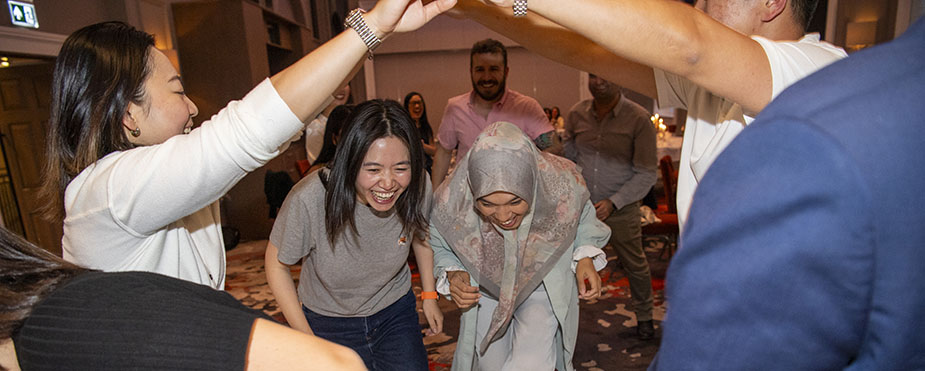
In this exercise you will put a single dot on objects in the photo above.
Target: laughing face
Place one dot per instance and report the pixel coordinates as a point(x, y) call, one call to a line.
point(503, 209)
point(489, 75)
point(167, 110)
point(384, 174)
point(416, 107)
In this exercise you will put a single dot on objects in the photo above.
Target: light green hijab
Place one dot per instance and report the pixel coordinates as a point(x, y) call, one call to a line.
point(509, 265)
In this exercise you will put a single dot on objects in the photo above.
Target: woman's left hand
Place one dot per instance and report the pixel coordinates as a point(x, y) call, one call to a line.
point(403, 16)
point(585, 271)
point(434, 316)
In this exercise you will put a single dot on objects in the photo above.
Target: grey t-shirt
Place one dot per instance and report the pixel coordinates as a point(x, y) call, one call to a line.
point(363, 273)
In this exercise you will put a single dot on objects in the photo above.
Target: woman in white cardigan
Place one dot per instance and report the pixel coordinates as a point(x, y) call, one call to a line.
point(134, 193)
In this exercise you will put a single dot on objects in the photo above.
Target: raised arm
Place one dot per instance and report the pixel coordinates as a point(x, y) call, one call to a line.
point(552, 41)
point(308, 83)
point(674, 37)
point(251, 131)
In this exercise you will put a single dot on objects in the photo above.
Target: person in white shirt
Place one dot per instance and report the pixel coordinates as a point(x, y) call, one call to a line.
point(722, 60)
point(134, 193)
point(314, 131)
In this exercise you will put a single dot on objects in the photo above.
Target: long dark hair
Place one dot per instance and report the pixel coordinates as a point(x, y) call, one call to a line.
point(27, 275)
point(334, 128)
point(370, 121)
point(100, 70)
point(426, 132)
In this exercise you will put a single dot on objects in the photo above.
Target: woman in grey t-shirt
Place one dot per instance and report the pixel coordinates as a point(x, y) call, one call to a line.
point(352, 225)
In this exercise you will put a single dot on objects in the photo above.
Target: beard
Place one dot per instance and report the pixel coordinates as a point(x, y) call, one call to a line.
point(490, 95)
point(604, 93)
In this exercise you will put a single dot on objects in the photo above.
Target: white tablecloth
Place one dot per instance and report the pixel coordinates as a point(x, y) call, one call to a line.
point(669, 146)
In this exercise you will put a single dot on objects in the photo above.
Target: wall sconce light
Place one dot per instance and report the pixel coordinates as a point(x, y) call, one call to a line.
point(860, 35)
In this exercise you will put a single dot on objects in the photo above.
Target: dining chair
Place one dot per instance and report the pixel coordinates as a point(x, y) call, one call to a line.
point(667, 230)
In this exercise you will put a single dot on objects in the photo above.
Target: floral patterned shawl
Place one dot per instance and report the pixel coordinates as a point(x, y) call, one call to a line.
point(509, 265)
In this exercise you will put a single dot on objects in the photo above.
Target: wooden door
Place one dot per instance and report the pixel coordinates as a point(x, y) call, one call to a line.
point(25, 97)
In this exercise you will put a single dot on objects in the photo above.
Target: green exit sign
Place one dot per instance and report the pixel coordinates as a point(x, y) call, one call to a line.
point(23, 14)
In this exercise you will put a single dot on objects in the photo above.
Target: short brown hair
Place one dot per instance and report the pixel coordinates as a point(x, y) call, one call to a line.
point(488, 46)
point(803, 11)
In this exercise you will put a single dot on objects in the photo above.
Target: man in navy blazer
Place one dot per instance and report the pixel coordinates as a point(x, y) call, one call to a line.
point(805, 248)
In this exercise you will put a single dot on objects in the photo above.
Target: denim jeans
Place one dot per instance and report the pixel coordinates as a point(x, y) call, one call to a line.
point(388, 340)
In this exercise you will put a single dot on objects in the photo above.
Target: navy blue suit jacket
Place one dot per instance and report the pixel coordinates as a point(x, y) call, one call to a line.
point(805, 247)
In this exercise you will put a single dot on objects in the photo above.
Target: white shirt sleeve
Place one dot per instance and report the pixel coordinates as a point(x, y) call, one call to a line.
point(793, 60)
point(443, 284)
point(153, 186)
point(589, 251)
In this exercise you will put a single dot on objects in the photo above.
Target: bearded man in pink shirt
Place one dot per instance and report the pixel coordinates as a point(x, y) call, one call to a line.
point(489, 101)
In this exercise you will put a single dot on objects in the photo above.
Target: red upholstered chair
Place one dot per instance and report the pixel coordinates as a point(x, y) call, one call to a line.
point(668, 228)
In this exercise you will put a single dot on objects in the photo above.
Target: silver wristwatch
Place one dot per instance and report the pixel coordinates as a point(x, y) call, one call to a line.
point(357, 23)
point(520, 8)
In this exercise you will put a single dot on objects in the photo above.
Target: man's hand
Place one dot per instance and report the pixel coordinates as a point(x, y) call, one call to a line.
point(585, 271)
point(603, 209)
point(463, 294)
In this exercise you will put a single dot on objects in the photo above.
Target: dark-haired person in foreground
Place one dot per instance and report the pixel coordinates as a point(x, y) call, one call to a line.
point(816, 262)
point(137, 194)
point(54, 315)
point(721, 60)
point(352, 224)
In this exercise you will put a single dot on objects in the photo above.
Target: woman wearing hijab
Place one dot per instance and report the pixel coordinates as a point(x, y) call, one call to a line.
point(513, 230)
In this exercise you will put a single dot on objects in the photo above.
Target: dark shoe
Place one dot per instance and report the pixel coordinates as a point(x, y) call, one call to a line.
point(645, 330)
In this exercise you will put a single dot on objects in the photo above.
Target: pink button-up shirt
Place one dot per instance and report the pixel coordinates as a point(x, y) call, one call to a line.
point(461, 124)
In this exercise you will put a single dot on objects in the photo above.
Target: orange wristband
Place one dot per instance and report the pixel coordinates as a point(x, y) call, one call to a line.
point(429, 295)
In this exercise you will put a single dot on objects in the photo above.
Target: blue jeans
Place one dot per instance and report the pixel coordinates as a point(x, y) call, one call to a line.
point(388, 340)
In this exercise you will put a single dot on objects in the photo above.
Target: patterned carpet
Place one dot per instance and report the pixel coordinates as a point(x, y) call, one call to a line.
point(606, 336)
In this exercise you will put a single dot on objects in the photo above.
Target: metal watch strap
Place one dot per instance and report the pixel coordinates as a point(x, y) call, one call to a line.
point(356, 21)
point(520, 8)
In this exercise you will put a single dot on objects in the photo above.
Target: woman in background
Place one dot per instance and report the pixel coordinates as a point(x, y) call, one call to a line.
point(414, 104)
point(352, 224)
point(136, 194)
point(557, 121)
point(515, 235)
point(55, 315)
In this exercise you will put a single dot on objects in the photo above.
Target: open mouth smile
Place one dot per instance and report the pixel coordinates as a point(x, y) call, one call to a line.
point(382, 197)
point(509, 223)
